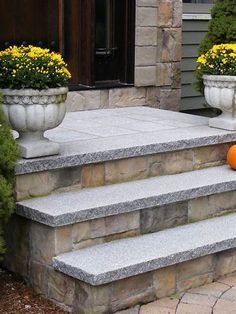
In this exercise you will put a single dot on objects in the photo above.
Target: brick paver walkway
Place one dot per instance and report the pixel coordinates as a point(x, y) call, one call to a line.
point(215, 298)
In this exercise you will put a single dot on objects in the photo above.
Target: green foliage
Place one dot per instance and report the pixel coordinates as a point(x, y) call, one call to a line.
point(222, 27)
point(32, 67)
point(221, 30)
point(6, 207)
point(8, 155)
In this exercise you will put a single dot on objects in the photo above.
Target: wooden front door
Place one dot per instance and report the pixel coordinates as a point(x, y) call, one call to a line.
point(96, 37)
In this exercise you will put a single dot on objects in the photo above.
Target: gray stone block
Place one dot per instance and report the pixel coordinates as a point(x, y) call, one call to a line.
point(125, 258)
point(163, 217)
point(71, 207)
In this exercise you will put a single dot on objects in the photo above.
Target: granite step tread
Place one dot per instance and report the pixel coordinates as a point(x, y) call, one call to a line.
point(110, 134)
point(87, 204)
point(120, 259)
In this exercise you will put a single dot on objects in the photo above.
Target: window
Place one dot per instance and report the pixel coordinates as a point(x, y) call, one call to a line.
point(106, 41)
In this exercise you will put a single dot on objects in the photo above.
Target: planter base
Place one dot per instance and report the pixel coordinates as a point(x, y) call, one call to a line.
point(33, 149)
point(221, 122)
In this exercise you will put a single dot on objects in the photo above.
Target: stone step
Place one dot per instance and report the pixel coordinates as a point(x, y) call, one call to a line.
point(69, 208)
point(119, 145)
point(121, 259)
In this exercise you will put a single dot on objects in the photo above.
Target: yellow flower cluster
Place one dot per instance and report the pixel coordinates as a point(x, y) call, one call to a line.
point(224, 50)
point(219, 60)
point(36, 53)
point(32, 66)
point(202, 59)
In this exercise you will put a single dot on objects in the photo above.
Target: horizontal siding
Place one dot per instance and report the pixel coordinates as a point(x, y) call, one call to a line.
point(188, 91)
point(196, 8)
point(189, 103)
point(188, 64)
point(190, 51)
point(193, 37)
point(188, 26)
point(193, 32)
point(187, 77)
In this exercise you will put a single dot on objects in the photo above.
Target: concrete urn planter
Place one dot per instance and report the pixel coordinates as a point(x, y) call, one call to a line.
point(220, 92)
point(31, 112)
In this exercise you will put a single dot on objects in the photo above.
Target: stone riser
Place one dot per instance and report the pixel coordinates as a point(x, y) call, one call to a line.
point(111, 172)
point(140, 289)
point(103, 230)
point(40, 243)
point(86, 299)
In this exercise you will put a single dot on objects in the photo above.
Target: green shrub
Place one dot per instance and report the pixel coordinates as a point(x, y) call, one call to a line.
point(6, 207)
point(222, 27)
point(8, 155)
point(221, 30)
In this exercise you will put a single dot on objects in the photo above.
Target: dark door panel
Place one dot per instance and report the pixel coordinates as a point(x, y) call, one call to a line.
point(106, 43)
point(29, 22)
point(114, 31)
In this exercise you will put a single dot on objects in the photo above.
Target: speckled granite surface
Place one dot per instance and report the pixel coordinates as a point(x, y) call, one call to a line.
point(107, 134)
point(71, 207)
point(124, 258)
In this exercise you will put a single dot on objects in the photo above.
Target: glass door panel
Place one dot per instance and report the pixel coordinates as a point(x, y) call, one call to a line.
point(106, 49)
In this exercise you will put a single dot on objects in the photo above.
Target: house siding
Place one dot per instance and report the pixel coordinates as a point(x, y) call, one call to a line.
point(194, 29)
point(196, 17)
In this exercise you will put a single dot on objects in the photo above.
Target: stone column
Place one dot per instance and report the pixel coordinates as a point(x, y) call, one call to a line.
point(158, 51)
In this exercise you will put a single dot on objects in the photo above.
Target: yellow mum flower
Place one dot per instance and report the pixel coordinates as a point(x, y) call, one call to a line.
point(202, 59)
point(33, 62)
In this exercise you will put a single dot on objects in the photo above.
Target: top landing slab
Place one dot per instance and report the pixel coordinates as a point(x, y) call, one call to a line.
point(107, 134)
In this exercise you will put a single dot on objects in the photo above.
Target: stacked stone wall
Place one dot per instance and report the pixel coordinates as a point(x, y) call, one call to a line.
point(158, 51)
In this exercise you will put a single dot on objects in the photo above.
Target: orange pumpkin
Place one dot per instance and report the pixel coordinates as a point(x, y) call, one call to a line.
point(231, 157)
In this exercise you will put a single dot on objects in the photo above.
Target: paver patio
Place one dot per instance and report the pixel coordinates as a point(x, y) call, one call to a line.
point(214, 298)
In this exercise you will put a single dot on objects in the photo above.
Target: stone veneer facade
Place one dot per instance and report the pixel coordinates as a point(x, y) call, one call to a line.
point(158, 45)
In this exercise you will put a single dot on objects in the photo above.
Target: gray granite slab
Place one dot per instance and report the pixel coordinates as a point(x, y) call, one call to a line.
point(108, 131)
point(64, 135)
point(173, 116)
point(110, 134)
point(125, 258)
point(133, 124)
point(79, 124)
point(71, 207)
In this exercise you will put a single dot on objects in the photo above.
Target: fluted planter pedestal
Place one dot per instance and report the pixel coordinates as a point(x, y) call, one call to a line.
point(220, 92)
point(31, 112)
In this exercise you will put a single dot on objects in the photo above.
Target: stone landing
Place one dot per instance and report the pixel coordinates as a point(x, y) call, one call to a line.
point(112, 134)
point(109, 146)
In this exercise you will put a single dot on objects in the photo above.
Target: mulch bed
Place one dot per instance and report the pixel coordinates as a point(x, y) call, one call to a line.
point(17, 298)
